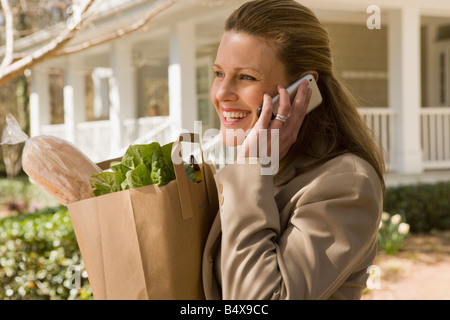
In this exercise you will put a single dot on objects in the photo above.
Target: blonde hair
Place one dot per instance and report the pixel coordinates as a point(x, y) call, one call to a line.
point(302, 43)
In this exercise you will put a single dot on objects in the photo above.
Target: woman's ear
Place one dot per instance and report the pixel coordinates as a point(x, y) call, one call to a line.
point(312, 72)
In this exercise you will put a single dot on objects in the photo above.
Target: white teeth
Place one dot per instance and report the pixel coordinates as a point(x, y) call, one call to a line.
point(234, 116)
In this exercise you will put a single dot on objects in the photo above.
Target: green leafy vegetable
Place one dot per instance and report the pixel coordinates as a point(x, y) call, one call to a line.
point(118, 167)
point(161, 172)
point(107, 182)
point(141, 165)
point(167, 153)
point(139, 154)
point(138, 177)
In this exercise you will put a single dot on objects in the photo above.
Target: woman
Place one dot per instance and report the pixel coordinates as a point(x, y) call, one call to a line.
point(310, 230)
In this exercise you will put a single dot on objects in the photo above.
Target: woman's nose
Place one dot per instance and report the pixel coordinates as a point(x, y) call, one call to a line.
point(226, 91)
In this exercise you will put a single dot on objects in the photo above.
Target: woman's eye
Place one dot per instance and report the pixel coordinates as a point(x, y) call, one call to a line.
point(247, 77)
point(218, 74)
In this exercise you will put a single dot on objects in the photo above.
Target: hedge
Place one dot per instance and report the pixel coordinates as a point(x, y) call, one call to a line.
point(426, 207)
point(40, 258)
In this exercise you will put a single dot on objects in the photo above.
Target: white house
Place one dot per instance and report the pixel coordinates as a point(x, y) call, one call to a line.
point(153, 82)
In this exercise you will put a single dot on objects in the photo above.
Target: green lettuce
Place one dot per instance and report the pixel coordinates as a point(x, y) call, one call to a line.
point(138, 177)
point(162, 173)
point(139, 154)
point(141, 165)
point(107, 182)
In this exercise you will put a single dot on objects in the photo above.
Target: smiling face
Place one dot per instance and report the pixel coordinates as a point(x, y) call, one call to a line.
point(246, 67)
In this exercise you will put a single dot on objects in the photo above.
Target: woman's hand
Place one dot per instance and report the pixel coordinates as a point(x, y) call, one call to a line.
point(260, 136)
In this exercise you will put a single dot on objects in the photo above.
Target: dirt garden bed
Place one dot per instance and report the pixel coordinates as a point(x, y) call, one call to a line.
point(420, 271)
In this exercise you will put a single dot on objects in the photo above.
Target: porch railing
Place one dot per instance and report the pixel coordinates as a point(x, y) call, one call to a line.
point(435, 135)
point(435, 128)
point(382, 123)
point(93, 138)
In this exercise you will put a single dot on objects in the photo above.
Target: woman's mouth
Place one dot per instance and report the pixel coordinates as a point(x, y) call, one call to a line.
point(232, 117)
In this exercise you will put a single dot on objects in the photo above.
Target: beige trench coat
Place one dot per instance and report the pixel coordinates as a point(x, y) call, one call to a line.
point(311, 236)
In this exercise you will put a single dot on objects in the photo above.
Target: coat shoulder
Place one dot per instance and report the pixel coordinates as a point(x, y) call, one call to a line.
point(348, 162)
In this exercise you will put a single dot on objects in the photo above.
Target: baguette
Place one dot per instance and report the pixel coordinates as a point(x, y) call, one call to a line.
point(59, 168)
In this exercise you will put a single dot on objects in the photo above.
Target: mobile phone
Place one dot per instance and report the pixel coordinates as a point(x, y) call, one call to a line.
point(316, 97)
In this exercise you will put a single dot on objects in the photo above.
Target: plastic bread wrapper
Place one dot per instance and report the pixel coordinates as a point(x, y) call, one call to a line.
point(54, 164)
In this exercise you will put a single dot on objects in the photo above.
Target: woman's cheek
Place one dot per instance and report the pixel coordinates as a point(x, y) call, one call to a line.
point(214, 100)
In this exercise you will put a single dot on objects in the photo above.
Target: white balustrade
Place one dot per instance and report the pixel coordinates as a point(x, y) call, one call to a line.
point(382, 123)
point(435, 129)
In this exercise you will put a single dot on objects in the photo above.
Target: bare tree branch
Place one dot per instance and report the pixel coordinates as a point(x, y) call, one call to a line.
point(9, 35)
point(11, 71)
point(119, 33)
point(56, 47)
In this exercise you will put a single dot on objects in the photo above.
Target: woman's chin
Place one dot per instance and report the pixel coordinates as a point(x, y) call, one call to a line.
point(233, 138)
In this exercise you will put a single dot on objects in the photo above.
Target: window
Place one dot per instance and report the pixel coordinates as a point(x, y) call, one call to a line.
point(205, 108)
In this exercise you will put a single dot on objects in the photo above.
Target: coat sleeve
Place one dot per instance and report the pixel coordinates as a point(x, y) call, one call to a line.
point(333, 221)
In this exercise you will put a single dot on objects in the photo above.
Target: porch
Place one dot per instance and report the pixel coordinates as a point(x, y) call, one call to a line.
point(400, 72)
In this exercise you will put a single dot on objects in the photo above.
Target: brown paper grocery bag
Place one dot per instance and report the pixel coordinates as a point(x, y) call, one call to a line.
point(147, 243)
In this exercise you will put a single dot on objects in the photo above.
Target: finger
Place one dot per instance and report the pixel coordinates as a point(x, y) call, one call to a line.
point(266, 112)
point(284, 108)
point(298, 112)
point(302, 98)
point(299, 107)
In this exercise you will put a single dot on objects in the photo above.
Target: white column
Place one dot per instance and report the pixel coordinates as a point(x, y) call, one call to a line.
point(182, 79)
point(404, 85)
point(74, 98)
point(122, 94)
point(39, 101)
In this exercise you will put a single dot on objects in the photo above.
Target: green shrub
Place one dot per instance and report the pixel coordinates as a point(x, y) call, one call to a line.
point(40, 258)
point(426, 207)
point(25, 195)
